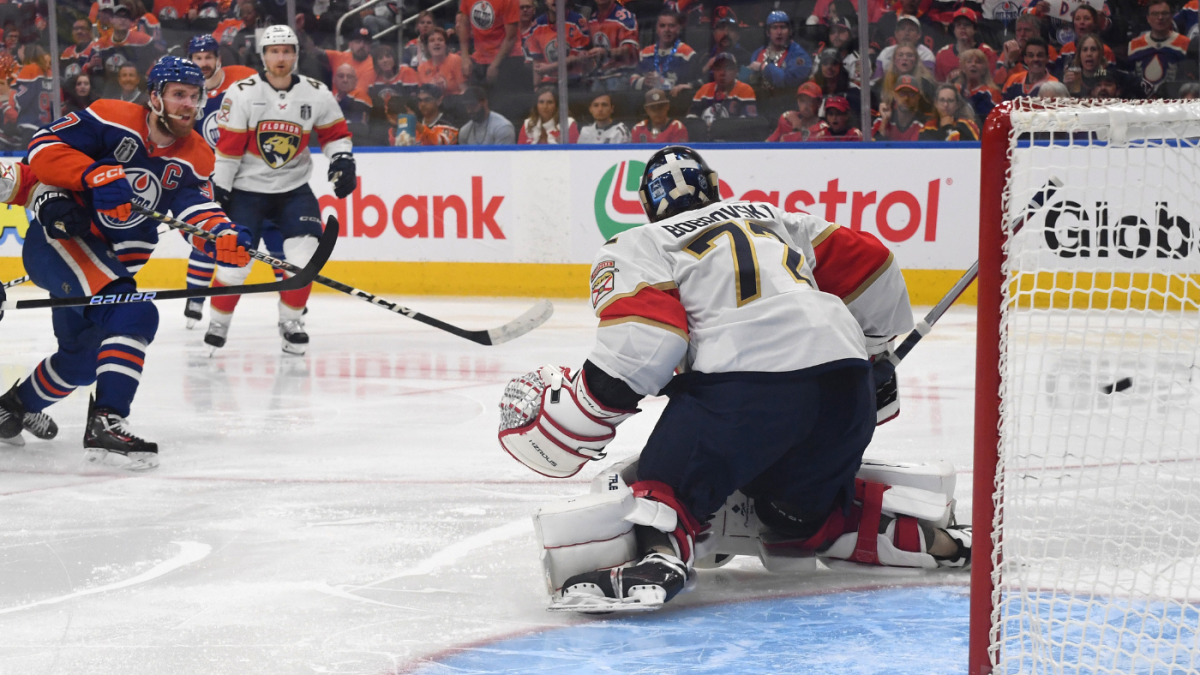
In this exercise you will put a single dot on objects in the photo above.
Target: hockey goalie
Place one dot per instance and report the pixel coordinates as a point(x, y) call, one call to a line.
point(761, 327)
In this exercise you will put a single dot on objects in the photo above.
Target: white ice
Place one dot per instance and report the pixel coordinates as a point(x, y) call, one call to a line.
point(346, 512)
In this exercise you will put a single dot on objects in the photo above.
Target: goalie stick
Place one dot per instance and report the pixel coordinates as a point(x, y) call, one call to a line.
point(534, 317)
point(885, 368)
point(302, 277)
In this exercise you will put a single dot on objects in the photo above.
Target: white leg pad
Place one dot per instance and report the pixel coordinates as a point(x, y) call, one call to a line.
point(586, 533)
point(299, 250)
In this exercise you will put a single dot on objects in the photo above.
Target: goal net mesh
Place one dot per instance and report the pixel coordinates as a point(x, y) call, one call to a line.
point(1096, 536)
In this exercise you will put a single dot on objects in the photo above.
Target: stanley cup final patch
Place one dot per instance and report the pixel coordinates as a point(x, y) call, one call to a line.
point(278, 141)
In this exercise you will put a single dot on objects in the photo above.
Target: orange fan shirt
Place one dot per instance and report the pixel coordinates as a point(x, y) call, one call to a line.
point(487, 19)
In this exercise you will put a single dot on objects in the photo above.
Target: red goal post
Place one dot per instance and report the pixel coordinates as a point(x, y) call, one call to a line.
point(1086, 490)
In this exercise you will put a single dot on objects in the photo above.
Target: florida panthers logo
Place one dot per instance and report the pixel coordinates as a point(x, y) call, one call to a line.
point(483, 15)
point(147, 190)
point(278, 142)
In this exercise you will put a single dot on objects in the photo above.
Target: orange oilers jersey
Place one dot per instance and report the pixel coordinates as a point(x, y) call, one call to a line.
point(264, 133)
point(227, 30)
point(487, 20)
point(741, 287)
point(174, 179)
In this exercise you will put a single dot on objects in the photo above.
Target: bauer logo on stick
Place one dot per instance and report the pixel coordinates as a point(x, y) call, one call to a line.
point(278, 142)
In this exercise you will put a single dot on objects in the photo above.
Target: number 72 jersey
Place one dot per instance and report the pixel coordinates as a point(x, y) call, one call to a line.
point(741, 287)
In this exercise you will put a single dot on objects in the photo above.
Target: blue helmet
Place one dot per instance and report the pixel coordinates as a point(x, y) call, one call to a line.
point(778, 16)
point(677, 179)
point(174, 69)
point(203, 43)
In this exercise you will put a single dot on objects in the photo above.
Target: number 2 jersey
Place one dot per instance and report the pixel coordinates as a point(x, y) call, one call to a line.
point(264, 132)
point(741, 287)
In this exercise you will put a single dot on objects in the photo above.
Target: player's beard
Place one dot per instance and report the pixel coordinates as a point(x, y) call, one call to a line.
point(208, 71)
point(174, 127)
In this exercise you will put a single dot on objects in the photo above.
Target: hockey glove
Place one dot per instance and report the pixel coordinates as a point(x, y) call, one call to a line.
point(342, 174)
point(551, 422)
point(60, 215)
point(224, 197)
point(112, 195)
point(232, 247)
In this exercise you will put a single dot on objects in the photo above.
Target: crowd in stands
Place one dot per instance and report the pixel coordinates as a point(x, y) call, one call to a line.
point(479, 72)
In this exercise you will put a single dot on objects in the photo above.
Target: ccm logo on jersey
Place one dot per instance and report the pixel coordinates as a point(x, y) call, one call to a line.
point(278, 142)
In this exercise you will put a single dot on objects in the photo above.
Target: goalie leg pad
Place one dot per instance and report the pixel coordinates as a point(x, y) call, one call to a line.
point(585, 534)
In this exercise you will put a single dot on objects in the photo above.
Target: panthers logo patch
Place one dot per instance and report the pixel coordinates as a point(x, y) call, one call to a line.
point(278, 142)
point(483, 15)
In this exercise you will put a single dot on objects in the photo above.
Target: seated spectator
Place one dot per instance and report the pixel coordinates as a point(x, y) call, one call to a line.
point(432, 126)
point(884, 30)
point(78, 94)
point(1186, 22)
point(542, 50)
point(603, 130)
point(356, 107)
point(483, 126)
point(836, 126)
point(658, 127)
point(1107, 86)
point(129, 85)
point(724, 39)
point(391, 78)
point(1085, 24)
point(1087, 66)
point(952, 119)
point(725, 97)
point(668, 64)
point(541, 127)
point(81, 54)
point(797, 125)
point(1189, 91)
point(965, 38)
point(414, 52)
point(1053, 90)
point(782, 63)
point(126, 45)
point(1026, 82)
point(1012, 57)
point(908, 33)
point(901, 119)
point(614, 38)
point(357, 56)
point(906, 63)
point(441, 68)
point(975, 83)
point(831, 75)
point(1156, 54)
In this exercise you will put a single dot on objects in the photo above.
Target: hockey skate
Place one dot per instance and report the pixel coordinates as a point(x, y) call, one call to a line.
point(295, 340)
point(961, 536)
point(12, 414)
point(40, 425)
point(643, 586)
point(215, 336)
point(193, 311)
point(109, 441)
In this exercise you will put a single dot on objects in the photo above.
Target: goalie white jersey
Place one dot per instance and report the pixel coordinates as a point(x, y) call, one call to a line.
point(741, 287)
point(264, 133)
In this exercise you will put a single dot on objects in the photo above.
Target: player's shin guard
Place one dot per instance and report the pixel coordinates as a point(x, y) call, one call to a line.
point(297, 251)
point(118, 372)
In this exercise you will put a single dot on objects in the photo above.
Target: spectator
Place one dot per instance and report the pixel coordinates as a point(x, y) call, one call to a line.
point(906, 63)
point(541, 127)
point(668, 64)
point(965, 38)
point(884, 30)
point(836, 126)
point(228, 29)
point(831, 74)
point(825, 13)
point(1107, 86)
point(357, 56)
point(1156, 54)
point(603, 130)
point(1087, 66)
point(129, 85)
point(1085, 24)
point(78, 94)
point(724, 39)
point(9, 139)
point(245, 41)
point(797, 125)
point(1026, 82)
point(432, 126)
point(126, 45)
point(1012, 59)
point(414, 52)
point(402, 121)
point(613, 31)
point(391, 78)
point(1189, 91)
point(952, 119)
point(781, 63)
point(527, 11)
point(487, 32)
point(725, 97)
point(171, 10)
point(658, 127)
point(908, 33)
point(441, 68)
point(78, 56)
point(1053, 90)
point(542, 50)
point(1186, 23)
point(355, 105)
point(483, 126)
point(902, 118)
point(148, 23)
point(975, 83)
point(35, 90)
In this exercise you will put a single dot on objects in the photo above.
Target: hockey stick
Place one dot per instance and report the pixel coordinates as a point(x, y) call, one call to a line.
point(16, 282)
point(534, 317)
point(884, 368)
point(303, 277)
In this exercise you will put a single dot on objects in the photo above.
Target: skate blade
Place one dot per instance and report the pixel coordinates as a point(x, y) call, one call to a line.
point(134, 461)
point(17, 441)
point(191, 323)
point(594, 604)
point(294, 349)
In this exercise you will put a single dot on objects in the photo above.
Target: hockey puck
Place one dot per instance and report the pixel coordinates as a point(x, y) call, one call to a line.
point(1120, 385)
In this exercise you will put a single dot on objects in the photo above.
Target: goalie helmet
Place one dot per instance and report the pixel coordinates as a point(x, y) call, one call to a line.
point(677, 179)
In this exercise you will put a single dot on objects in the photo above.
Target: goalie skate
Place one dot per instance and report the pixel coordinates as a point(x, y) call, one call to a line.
point(642, 587)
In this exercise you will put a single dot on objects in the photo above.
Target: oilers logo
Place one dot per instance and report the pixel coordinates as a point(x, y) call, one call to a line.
point(210, 131)
point(147, 190)
point(278, 141)
point(483, 15)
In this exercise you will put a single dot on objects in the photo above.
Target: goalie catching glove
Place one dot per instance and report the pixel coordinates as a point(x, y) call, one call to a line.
point(552, 423)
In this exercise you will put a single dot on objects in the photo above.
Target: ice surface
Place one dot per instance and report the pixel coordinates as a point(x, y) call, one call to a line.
point(346, 512)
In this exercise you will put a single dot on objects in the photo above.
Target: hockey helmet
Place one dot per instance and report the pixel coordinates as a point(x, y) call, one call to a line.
point(203, 43)
point(777, 16)
point(278, 34)
point(677, 179)
point(174, 69)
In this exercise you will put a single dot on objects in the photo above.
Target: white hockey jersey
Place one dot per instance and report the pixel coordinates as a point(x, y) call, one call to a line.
point(741, 287)
point(264, 132)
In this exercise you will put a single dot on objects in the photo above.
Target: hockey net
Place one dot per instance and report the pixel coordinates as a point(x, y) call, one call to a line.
point(1087, 490)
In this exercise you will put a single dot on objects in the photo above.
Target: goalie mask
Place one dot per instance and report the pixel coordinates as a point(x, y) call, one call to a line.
point(677, 179)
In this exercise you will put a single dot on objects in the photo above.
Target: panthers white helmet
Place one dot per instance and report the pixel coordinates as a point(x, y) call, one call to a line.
point(278, 34)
